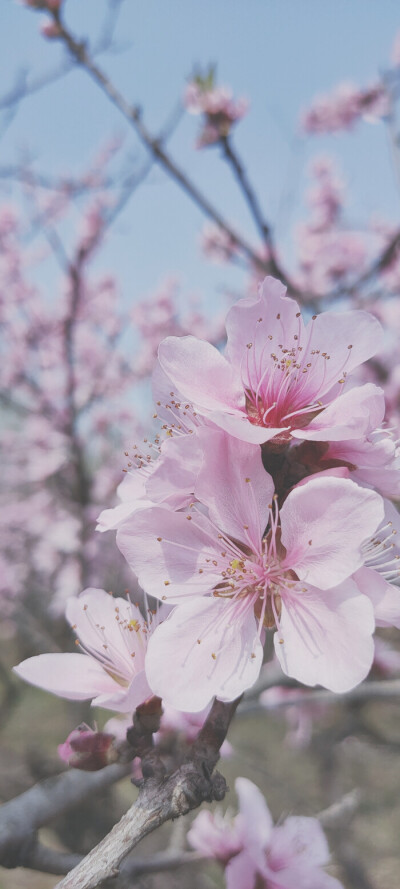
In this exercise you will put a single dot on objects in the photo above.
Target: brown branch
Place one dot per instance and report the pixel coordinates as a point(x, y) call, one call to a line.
point(52, 861)
point(21, 817)
point(132, 113)
point(239, 171)
point(160, 800)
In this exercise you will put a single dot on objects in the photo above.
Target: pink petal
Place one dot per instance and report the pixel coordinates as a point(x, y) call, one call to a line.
point(201, 373)
point(234, 485)
point(300, 878)
point(254, 818)
point(175, 471)
point(168, 568)
point(384, 596)
point(334, 332)
point(125, 700)
point(279, 320)
point(240, 427)
point(299, 842)
point(347, 417)
point(93, 610)
point(327, 637)
point(73, 676)
point(241, 872)
point(376, 461)
point(184, 671)
point(110, 519)
point(324, 523)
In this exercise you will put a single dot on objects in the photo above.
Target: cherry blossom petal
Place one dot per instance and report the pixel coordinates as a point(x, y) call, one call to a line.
point(240, 427)
point(384, 596)
point(234, 485)
point(125, 700)
point(175, 471)
point(269, 318)
point(167, 551)
point(324, 523)
point(110, 519)
point(254, 818)
point(91, 612)
point(226, 661)
point(241, 872)
point(294, 878)
point(346, 417)
point(72, 676)
point(299, 841)
point(327, 637)
point(349, 338)
point(201, 373)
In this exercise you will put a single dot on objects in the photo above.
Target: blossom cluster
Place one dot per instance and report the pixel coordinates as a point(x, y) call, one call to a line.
point(255, 852)
point(345, 106)
point(220, 111)
point(267, 508)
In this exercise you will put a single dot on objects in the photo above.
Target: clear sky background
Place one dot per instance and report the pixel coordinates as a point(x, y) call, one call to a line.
point(278, 53)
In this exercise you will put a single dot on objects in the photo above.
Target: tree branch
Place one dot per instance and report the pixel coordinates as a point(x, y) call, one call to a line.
point(160, 800)
point(132, 114)
point(21, 817)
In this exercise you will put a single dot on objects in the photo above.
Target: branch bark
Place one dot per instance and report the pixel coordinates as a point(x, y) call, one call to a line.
point(160, 799)
point(21, 817)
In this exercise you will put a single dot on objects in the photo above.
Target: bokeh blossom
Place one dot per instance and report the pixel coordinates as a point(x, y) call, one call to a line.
point(257, 853)
point(218, 107)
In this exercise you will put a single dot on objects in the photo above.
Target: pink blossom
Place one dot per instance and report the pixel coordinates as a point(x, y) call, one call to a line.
point(217, 244)
point(345, 106)
point(328, 257)
point(279, 378)
point(113, 638)
point(50, 29)
point(216, 836)
point(232, 579)
point(299, 715)
point(254, 852)
point(217, 105)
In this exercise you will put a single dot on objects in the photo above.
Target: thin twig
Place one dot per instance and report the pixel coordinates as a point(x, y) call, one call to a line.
point(132, 113)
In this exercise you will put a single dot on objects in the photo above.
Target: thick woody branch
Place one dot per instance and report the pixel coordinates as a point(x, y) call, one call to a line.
point(160, 799)
point(21, 817)
point(52, 861)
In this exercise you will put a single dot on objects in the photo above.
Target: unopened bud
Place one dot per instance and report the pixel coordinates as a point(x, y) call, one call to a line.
point(88, 750)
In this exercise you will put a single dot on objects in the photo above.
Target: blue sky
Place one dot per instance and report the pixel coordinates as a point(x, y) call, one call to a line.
point(278, 53)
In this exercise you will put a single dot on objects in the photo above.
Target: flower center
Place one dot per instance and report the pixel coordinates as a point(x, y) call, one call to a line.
point(282, 381)
point(379, 554)
point(121, 653)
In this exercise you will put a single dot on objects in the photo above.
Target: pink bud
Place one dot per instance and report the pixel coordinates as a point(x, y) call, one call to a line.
point(88, 750)
point(49, 29)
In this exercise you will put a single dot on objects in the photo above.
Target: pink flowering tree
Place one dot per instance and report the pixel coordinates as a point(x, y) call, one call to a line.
point(236, 554)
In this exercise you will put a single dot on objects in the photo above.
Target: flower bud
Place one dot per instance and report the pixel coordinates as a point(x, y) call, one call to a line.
point(87, 749)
